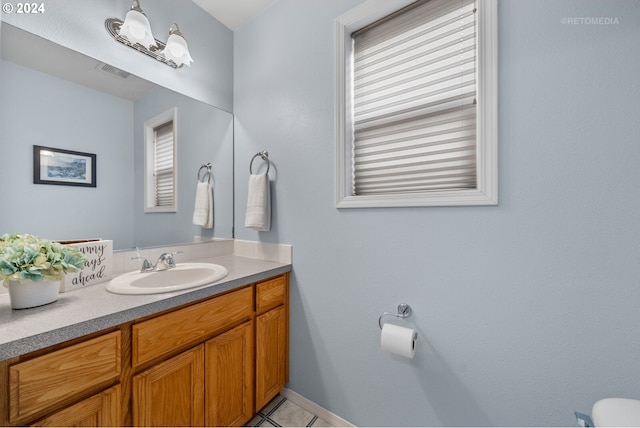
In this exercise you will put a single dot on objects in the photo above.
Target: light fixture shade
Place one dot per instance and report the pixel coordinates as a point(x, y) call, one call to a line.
point(136, 29)
point(177, 50)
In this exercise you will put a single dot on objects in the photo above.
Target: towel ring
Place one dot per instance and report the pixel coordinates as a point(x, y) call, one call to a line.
point(265, 157)
point(207, 173)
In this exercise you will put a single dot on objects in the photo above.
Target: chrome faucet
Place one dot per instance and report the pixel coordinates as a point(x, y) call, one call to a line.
point(165, 261)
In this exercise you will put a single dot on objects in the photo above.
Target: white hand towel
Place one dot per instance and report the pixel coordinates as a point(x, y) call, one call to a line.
point(203, 210)
point(258, 215)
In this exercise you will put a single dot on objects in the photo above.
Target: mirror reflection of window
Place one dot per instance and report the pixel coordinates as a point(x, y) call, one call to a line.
point(160, 164)
point(163, 169)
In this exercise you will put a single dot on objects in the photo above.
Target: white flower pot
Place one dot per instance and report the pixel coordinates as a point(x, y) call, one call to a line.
point(30, 294)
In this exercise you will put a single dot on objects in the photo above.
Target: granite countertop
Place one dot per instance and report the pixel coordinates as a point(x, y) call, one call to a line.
point(91, 309)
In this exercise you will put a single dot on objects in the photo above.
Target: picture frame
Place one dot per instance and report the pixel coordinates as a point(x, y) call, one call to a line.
point(63, 167)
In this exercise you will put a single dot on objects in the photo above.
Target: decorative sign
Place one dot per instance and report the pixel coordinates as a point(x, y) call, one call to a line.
point(98, 266)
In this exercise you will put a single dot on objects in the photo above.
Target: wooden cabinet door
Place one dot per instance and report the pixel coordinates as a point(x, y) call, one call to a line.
point(271, 355)
point(171, 393)
point(100, 410)
point(229, 377)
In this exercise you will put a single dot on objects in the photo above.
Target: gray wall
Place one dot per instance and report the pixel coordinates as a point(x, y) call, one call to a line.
point(79, 25)
point(38, 109)
point(526, 311)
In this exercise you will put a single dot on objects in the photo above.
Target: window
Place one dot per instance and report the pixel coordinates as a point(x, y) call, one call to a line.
point(160, 163)
point(416, 104)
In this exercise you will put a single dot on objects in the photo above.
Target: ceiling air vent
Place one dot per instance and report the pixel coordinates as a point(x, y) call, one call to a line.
point(113, 70)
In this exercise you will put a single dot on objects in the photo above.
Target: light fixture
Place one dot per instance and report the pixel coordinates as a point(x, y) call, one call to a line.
point(135, 32)
point(176, 49)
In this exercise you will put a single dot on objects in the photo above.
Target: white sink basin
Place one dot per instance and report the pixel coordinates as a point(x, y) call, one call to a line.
point(616, 412)
point(182, 277)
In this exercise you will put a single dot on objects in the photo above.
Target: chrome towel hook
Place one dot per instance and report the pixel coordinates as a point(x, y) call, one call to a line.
point(404, 311)
point(265, 157)
point(207, 173)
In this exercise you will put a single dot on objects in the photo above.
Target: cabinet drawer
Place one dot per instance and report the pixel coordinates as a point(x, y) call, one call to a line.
point(270, 293)
point(54, 378)
point(173, 331)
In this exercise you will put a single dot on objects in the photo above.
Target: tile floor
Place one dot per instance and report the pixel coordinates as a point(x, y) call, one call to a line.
point(281, 412)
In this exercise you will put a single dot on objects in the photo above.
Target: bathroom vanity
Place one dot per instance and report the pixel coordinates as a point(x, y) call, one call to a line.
point(212, 356)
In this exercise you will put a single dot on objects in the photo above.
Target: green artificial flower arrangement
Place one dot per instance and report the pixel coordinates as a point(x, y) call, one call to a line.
point(29, 258)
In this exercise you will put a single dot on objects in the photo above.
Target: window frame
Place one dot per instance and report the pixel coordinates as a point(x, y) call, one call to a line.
point(486, 192)
point(150, 125)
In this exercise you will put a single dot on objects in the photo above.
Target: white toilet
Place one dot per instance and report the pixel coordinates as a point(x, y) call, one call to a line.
point(616, 412)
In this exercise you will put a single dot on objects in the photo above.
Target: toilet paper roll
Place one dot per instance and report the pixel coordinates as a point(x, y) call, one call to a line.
point(398, 340)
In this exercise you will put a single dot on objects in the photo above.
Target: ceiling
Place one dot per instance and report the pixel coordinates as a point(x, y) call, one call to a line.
point(234, 13)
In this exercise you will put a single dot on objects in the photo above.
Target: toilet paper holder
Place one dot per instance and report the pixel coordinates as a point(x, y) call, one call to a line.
point(404, 311)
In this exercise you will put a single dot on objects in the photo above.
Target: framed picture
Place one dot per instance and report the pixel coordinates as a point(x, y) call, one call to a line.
point(63, 167)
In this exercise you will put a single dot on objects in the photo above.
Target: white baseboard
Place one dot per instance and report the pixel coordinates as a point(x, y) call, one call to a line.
point(308, 405)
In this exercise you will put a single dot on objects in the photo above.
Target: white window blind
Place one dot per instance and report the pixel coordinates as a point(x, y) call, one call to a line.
point(163, 172)
point(414, 100)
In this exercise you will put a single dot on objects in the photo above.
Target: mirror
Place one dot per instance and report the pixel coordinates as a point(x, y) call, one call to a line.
point(52, 96)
